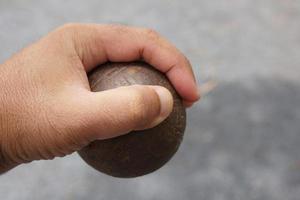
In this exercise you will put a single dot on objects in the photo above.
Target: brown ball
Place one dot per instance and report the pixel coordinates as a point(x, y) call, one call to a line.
point(139, 152)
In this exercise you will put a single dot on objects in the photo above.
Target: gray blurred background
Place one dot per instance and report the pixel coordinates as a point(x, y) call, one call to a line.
point(243, 139)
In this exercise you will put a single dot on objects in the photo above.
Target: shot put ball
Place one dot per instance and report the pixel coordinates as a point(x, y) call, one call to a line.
point(138, 152)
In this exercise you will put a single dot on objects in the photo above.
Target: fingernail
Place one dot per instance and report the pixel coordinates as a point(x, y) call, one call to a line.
point(166, 104)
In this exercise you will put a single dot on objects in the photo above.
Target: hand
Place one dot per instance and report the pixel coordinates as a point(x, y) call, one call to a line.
point(47, 108)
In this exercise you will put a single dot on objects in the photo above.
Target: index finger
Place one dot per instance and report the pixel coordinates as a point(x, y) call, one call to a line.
point(97, 44)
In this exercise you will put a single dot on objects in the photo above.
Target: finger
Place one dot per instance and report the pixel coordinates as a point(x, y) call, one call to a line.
point(118, 111)
point(188, 104)
point(97, 44)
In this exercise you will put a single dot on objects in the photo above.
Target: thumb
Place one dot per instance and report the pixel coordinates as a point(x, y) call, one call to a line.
point(118, 111)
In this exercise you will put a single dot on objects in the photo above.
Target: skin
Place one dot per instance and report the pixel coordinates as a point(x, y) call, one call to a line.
point(47, 109)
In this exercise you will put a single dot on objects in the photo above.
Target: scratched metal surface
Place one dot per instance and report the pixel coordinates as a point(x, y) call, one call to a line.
point(242, 140)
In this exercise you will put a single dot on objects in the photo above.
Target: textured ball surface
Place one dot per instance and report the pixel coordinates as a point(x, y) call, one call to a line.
point(139, 152)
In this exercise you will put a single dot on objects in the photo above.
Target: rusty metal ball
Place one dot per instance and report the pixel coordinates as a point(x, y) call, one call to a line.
point(139, 152)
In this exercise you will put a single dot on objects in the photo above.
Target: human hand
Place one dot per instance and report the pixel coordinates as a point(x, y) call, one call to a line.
point(47, 108)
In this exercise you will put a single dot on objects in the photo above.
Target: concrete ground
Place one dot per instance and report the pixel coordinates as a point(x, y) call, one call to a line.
point(242, 140)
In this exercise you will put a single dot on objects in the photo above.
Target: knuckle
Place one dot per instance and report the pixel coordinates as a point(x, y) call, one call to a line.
point(138, 105)
point(62, 33)
point(118, 28)
point(153, 34)
point(67, 29)
point(69, 26)
point(144, 106)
